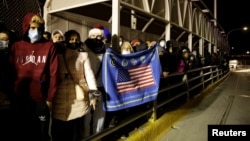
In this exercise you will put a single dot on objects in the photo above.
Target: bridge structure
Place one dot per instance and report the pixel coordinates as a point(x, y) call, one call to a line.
point(185, 22)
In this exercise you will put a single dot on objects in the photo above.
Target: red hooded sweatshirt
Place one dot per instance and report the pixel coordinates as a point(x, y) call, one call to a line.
point(35, 66)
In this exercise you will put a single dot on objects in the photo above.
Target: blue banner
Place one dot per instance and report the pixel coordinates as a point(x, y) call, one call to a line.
point(130, 80)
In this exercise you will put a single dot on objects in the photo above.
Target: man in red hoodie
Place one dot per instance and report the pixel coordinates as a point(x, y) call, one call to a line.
point(35, 66)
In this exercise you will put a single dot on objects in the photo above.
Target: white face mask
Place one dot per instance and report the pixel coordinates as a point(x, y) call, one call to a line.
point(125, 52)
point(3, 44)
point(194, 53)
point(34, 35)
point(120, 43)
point(162, 43)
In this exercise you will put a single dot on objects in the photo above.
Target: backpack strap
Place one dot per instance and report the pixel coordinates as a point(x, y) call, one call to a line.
point(67, 67)
point(80, 75)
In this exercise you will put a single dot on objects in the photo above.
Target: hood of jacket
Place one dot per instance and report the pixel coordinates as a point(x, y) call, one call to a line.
point(26, 23)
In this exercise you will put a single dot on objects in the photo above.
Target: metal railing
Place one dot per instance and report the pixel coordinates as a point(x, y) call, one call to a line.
point(191, 83)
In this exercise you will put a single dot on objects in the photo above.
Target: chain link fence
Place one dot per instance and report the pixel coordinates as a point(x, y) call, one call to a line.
point(13, 11)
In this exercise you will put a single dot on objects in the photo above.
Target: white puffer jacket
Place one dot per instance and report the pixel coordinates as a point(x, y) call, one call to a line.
point(96, 62)
point(66, 107)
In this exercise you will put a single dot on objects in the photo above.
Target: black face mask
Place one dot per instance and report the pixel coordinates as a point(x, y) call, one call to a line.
point(96, 45)
point(75, 45)
point(140, 47)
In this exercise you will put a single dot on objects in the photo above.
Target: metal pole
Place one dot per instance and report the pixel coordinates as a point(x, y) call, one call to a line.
point(215, 12)
point(116, 17)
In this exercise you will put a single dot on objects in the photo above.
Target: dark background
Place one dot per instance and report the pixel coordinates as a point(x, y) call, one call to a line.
point(232, 14)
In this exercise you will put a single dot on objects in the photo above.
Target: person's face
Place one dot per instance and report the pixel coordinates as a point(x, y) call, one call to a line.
point(126, 47)
point(34, 26)
point(98, 36)
point(73, 38)
point(34, 33)
point(4, 36)
point(185, 55)
point(46, 36)
point(57, 37)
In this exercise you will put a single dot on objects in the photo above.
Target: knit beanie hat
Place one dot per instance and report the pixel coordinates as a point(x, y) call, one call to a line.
point(97, 30)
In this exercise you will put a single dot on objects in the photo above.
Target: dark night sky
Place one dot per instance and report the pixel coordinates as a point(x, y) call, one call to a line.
point(232, 14)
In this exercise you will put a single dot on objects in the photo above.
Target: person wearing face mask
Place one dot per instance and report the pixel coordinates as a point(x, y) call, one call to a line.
point(138, 45)
point(4, 40)
point(68, 111)
point(126, 48)
point(34, 64)
point(5, 89)
point(94, 120)
point(170, 58)
point(121, 40)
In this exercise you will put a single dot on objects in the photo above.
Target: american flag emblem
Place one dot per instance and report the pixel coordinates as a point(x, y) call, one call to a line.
point(134, 79)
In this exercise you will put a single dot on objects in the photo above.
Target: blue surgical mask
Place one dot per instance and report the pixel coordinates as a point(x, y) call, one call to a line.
point(3, 44)
point(34, 35)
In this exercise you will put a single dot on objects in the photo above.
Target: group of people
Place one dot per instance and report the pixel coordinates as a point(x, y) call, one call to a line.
point(43, 69)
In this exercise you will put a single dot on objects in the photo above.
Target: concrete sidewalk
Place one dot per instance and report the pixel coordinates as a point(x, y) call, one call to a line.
point(227, 104)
